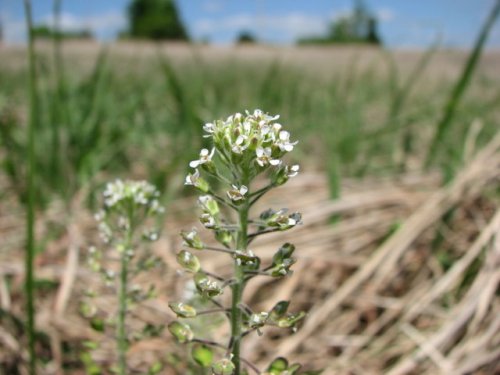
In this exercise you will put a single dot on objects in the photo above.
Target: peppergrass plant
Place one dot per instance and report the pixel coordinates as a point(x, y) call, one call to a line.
point(244, 148)
point(127, 219)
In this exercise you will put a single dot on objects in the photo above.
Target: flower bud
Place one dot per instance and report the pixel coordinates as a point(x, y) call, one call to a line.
point(290, 320)
point(198, 182)
point(209, 205)
point(208, 221)
point(202, 355)
point(258, 320)
point(282, 260)
point(279, 219)
point(182, 332)
point(192, 239)
point(280, 366)
point(223, 367)
point(279, 310)
point(188, 261)
point(182, 310)
point(224, 237)
point(205, 286)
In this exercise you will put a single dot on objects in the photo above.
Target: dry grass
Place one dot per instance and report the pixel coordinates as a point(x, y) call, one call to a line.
point(379, 300)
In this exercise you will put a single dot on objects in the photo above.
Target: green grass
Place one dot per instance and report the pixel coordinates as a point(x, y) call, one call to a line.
point(115, 119)
point(90, 118)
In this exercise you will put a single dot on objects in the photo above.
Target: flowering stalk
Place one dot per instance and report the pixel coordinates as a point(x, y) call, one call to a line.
point(128, 206)
point(244, 147)
point(121, 333)
point(239, 285)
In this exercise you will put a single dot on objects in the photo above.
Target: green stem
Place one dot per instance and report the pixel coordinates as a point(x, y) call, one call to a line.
point(121, 333)
point(30, 214)
point(122, 313)
point(237, 289)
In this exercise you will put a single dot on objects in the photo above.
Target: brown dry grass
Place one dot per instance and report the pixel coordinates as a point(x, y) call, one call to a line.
point(379, 300)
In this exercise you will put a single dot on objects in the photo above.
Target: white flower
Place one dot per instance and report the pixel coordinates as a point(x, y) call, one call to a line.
point(284, 141)
point(264, 157)
point(238, 146)
point(238, 117)
point(257, 113)
point(207, 220)
point(100, 215)
point(192, 178)
point(205, 157)
point(209, 128)
point(139, 192)
point(292, 171)
point(237, 193)
point(156, 207)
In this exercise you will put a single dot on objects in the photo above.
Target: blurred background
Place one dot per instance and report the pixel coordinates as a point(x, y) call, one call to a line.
point(394, 23)
point(396, 106)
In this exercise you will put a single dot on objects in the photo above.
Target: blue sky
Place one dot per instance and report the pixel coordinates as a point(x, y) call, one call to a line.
point(403, 23)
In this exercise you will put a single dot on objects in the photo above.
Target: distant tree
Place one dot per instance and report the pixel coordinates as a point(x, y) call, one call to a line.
point(155, 19)
point(245, 37)
point(359, 26)
point(44, 31)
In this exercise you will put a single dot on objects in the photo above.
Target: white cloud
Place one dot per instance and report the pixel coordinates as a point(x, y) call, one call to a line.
point(385, 14)
point(14, 30)
point(103, 25)
point(98, 23)
point(212, 6)
point(290, 26)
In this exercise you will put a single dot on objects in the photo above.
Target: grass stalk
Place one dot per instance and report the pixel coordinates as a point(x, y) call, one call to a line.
point(58, 100)
point(462, 83)
point(31, 198)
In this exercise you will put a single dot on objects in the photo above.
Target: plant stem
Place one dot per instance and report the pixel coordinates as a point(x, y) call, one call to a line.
point(30, 214)
point(237, 288)
point(121, 334)
point(122, 313)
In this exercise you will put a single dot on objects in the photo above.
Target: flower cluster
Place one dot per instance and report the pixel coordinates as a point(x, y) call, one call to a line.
point(243, 147)
point(129, 215)
point(246, 141)
point(128, 203)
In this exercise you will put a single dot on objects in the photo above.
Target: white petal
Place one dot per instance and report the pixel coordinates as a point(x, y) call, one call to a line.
point(284, 135)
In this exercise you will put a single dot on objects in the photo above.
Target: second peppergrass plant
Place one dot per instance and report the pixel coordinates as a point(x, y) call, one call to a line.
point(129, 217)
point(246, 150)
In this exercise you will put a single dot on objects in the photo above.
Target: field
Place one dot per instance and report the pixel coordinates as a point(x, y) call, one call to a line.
point(399, 254)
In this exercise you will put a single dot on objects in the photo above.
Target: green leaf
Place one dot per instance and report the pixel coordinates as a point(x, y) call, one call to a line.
point(202, 355)
point(155, 368)
point(294, 368)
point(97, 324)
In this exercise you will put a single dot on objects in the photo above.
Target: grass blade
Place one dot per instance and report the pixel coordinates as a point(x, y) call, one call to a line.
point(30, 207)
point(457, 93)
